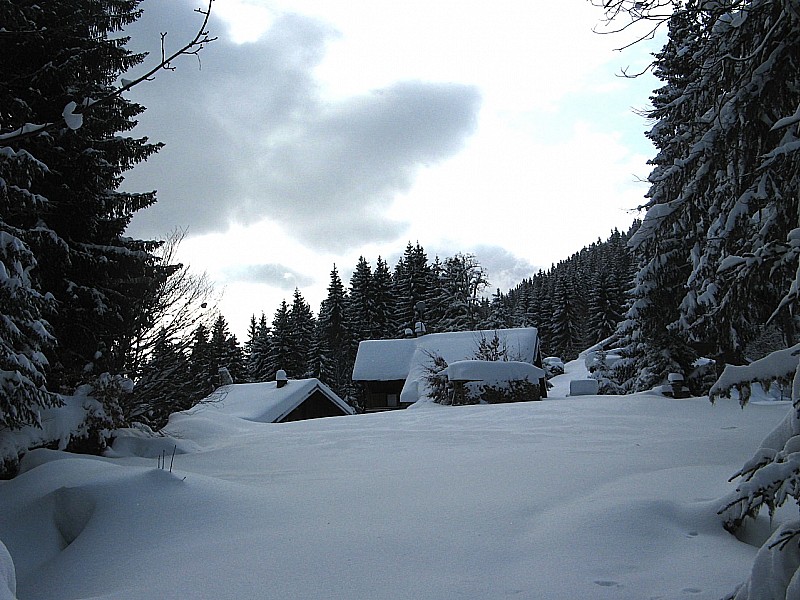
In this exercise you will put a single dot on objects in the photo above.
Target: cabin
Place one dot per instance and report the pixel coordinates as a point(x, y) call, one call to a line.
point(280, 401)
point(392, 371)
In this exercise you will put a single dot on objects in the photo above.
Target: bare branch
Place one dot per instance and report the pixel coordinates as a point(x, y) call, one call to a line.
point(193, 47)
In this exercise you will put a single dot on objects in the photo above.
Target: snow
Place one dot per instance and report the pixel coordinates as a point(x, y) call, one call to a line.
point(492, 371)
point(602, 497)
point(583, 387)
point(264, 402)
point(58, 426)
point(8, 582)
point(408, 359)
point(71, 118)
point(384, 360)
point(392, 360)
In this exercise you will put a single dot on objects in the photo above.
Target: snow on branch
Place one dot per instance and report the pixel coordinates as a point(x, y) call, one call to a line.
point(778, 366)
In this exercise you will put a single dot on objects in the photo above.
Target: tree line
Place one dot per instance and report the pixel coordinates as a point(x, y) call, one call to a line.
point(576, 303)
point(84, 304)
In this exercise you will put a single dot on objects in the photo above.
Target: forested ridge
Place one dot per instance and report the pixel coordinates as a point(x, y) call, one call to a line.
point(574, 304)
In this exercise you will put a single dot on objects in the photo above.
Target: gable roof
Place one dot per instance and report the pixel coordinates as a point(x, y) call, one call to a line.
point(266, 403)
point(406, 359)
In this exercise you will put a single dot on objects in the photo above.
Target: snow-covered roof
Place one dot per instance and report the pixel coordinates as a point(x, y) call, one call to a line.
point(406, 359)
point(266, 402)
point(384, 360)
point(391, 360)
point(492, 371)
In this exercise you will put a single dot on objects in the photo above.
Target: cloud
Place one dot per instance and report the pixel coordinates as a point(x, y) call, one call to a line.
point(504, 269)
point(251, 136)
point(275, 275)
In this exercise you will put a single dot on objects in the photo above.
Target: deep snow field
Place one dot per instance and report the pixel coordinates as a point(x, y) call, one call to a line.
point(595, 497)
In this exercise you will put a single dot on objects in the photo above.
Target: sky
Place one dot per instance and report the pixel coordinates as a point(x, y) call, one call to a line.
point(311, 133)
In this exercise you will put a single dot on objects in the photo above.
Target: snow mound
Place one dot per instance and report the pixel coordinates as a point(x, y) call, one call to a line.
point(602, 497)
point(8, 578)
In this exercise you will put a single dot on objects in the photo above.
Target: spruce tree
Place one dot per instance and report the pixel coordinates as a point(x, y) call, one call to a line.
point(63, 215)
point(566, 331)
point(301, 338)
point(225, 352)
point(201, 365)
point(280, 345)
point(382, 301)
point(603, 307)
point(498, 315)
point(715, 244)
point(92, 270)
point(413, 283)
point(361, 307)
point(334, 338)
point(259, 344)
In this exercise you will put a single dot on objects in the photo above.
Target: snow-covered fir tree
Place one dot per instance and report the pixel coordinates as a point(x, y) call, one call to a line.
point(280, 344)
point(382, 300)
point(412, 283)
point(723, 200)
point(258, 344)
point(360, 305)
point(226, 352)
point(24, 332)
point(565, 322)
point(60, 182)
point(718, 246)
point(335, 345)
point(498, 315)
point(203, 378)
point(301, 338)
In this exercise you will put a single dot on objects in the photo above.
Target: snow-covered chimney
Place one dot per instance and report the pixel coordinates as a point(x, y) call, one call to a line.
point(280, 378)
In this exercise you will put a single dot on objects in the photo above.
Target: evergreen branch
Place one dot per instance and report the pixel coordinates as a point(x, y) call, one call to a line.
point(193, 47)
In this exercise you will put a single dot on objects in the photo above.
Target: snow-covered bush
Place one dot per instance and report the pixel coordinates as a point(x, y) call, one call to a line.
point(485, 381)
point(106, 397)
point(702, 377)
point(601, 364)
point(436, 381)
point(553, 366)
point(80, 423)
point(515, 390)
point(8, 578)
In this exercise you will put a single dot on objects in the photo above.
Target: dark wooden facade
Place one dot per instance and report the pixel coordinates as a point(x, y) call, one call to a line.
point(383, 395)
point(316, 406)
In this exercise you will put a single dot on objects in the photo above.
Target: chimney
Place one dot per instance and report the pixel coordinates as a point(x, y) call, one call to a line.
point(280, 378)
point(225, 377)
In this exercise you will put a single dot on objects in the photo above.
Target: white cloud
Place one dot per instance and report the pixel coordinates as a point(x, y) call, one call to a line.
point(318, 131)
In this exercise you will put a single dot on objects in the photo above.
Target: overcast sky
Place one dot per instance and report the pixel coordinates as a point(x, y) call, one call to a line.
point(313, 132)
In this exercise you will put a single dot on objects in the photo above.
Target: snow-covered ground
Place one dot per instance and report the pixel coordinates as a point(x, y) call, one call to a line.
point(596, 497)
